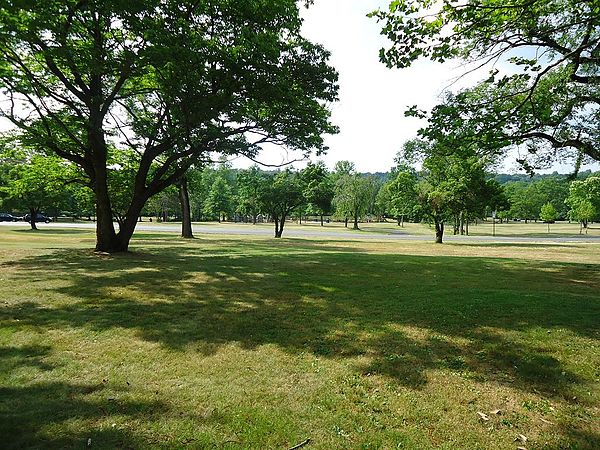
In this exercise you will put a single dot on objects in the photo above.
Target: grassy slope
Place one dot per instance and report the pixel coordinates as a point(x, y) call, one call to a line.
point(252, 343)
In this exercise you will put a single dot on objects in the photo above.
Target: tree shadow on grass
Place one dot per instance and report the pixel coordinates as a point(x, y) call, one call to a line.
point(534, 245)
point(30, 415)
point(54, 231)
point(468, 316)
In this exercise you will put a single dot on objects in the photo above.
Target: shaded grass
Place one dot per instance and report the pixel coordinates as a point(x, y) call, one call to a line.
point(254, 343)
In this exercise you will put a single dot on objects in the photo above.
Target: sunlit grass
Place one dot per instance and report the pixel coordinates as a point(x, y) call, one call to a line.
point(249, 342)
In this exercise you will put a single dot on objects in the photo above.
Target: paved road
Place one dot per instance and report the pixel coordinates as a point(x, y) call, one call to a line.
point(307, 232)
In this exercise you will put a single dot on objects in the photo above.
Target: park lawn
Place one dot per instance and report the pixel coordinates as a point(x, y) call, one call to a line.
point(250, 342)
point(485, 228)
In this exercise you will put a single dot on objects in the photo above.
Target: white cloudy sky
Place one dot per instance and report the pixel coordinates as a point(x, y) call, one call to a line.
point(372, 98)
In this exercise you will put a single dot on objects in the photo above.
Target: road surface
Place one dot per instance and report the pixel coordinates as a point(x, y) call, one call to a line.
point(309, 231)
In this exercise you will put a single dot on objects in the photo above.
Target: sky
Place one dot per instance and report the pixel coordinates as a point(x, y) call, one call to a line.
point(373, 98)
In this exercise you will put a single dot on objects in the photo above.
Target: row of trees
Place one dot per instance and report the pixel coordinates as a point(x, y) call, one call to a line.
point(451, 188)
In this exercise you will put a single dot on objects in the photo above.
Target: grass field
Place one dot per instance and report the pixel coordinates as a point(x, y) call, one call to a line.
point(249, 342)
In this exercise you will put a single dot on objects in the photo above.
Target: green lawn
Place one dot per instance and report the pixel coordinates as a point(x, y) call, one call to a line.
point(243, 342)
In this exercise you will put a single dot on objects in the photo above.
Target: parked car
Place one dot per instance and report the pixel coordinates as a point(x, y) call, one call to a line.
point(38, 218)
point(5, 217)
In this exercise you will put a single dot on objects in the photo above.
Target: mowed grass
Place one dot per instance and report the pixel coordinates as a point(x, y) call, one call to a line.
point(242, 342)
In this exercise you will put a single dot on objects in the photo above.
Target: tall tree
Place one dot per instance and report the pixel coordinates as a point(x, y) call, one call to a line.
point(453, 185)
point(186, 211)
point(548, 98)
point(169, 80)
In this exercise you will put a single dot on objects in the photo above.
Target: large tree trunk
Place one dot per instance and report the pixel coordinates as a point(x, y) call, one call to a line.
point(355, 227)
point(321, 219)
point(345, 222)
point(186, 215)
point(276, 219)
point(439, 232)
point(32, 218)
point(106, 237)
point(281, 224)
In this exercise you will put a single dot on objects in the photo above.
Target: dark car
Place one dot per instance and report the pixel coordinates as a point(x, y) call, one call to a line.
point(38, 218)
point(5, 217)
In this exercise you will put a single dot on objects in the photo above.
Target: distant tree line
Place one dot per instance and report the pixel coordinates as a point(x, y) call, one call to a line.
point(450, 190)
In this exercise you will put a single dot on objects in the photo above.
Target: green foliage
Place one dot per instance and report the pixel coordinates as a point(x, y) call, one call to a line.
point(219, 201)
point(526, 199)
point(584, 200)
point(547, 100)
point(33, 182)
point(283, 193)
point(318, 188)
point(454, 185)
point(354, 195)
point(403, 193)
point(548, 213)
point(169, 82)
point(250, 186)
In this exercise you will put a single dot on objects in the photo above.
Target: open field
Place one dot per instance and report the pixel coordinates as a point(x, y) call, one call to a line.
point(249, 342)
point(512, 232)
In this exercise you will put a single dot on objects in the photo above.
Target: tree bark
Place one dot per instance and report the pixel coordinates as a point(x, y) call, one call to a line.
point(32, 218)
point(439, 231)
point(106, 237)
point(276, 219)
point(186, 216)
point(321, 219)
point(355, 227)
point(346, 222)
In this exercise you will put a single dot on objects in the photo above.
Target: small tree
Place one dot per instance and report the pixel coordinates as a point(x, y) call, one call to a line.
point(583, 212)
point(548, 214)
point(318, 188)
point(34, 182)
point(354, 194)
point(281, 196)
point(584, 200)
point(403, 193)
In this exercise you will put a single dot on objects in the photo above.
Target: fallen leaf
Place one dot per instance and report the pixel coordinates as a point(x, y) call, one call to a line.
point(482, 416)
point(521, 438)
point(496, 412)
point(547, 421)
point(521, 448)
